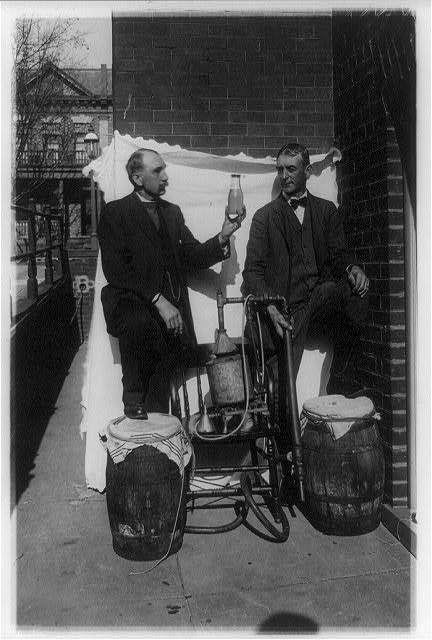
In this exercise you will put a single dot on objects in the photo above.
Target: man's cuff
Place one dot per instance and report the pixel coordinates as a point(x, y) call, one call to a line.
point(225, 247)
point(225, 250)
point(349, 267)
point(156, 297)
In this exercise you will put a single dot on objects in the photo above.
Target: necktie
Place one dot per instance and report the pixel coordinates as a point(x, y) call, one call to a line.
point(153, 212)
point(297, 202)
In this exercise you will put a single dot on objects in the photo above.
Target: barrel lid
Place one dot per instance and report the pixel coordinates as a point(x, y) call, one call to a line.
point(157, 424)
point(338, 407)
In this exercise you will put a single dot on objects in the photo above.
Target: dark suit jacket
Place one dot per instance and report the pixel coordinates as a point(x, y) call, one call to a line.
point(131, 253)
point(267, 269)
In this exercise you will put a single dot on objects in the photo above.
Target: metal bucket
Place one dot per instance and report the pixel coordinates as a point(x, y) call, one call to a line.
point(226, 380)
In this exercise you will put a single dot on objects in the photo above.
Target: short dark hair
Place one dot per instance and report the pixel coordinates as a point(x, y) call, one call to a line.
point(294, 149)
point(135, 162)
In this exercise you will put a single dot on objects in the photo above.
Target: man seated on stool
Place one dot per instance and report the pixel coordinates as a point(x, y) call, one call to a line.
point(297, 249)
point(146, 248)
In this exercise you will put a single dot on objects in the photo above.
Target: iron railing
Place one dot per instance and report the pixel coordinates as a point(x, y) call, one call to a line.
point(38, 242)
point(52, 157)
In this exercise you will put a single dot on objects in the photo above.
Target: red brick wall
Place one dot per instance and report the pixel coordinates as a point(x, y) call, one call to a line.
point(370, 51)
point(224, 84)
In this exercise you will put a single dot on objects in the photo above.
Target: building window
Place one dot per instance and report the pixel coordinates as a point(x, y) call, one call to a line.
point(52, 144)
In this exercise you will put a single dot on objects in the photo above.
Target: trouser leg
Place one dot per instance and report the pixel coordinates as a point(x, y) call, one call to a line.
point(272, 343)
point(341, 315)
point(145, 356)
point(332, 311)
point(300, 320)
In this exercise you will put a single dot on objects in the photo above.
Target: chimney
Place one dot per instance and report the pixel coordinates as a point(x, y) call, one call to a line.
point(104, 81)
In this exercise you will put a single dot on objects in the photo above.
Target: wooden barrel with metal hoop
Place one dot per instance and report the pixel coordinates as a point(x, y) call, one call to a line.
point(344, 465)
point(145, 487)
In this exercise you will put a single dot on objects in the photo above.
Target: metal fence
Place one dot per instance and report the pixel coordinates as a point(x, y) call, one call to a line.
point(38, 254)
point(53, 157)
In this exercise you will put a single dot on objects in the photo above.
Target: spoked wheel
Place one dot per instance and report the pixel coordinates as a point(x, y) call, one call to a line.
point(277, 535)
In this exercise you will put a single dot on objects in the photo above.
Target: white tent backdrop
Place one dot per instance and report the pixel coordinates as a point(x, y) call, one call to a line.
point(199, 184)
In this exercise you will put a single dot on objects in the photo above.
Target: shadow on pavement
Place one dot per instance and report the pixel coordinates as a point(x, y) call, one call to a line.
point(30, 418)
point(285, 621)
point(43, 347)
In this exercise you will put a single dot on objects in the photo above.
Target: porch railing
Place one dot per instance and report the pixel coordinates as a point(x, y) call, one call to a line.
point(38, 257)
point(52, 157)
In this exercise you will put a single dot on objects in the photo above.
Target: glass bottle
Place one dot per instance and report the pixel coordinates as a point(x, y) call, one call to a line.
point(235, 198)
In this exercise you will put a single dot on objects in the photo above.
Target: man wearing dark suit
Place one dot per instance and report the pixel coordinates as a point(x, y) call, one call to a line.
point(297, 249)
point(146, 248)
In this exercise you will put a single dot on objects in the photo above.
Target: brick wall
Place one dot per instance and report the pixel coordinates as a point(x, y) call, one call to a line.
point(225, 84)
point(370, 77)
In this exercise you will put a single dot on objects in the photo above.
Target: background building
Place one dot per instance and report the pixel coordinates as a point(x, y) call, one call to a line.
point(49, 168)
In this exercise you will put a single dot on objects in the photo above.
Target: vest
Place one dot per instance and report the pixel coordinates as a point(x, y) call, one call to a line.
point(304, 270)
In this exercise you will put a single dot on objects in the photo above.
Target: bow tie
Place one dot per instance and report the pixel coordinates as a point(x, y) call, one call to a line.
point(297, 202)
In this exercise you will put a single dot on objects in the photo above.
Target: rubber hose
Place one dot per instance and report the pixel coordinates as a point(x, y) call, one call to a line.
point(241, 511)
point(277, 536)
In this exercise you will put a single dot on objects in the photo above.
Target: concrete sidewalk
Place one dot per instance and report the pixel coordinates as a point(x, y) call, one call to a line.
point(69, 578)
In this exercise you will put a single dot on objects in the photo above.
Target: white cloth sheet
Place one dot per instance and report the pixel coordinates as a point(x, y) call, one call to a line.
point(164, 433)
point(336, 413)
point(199, 184)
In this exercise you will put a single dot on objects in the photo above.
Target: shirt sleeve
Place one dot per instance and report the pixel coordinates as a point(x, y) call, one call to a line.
point(200, 255)
point(339, 259)
point(257, 256)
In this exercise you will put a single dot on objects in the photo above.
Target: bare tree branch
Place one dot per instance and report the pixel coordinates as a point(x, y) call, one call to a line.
point(40, 48)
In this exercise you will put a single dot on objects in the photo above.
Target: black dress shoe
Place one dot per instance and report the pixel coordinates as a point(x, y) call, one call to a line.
point(135, 412)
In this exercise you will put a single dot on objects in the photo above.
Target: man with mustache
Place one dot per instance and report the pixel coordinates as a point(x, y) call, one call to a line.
point(297, 249)
point(146, 248)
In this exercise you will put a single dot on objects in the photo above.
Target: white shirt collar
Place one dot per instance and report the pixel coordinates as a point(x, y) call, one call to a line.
point(143, 199)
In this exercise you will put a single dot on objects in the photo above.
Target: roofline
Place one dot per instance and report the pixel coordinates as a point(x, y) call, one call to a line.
point(66, 77)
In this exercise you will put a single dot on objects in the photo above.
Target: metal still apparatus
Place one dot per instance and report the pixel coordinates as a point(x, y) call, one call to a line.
point(227, 379)
point(229, 375)
point(243, 415)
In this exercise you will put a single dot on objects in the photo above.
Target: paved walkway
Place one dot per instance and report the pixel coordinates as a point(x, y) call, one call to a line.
point(69, 578)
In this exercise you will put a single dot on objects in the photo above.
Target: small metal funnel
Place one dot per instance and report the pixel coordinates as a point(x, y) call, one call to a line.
point(204, 424)
point(223, 344)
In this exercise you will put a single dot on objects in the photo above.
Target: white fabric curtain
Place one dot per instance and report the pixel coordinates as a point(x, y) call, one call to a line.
point(199, 184)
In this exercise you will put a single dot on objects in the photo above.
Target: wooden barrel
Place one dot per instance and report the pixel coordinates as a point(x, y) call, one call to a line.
point(146, 498)
point(344, 473)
